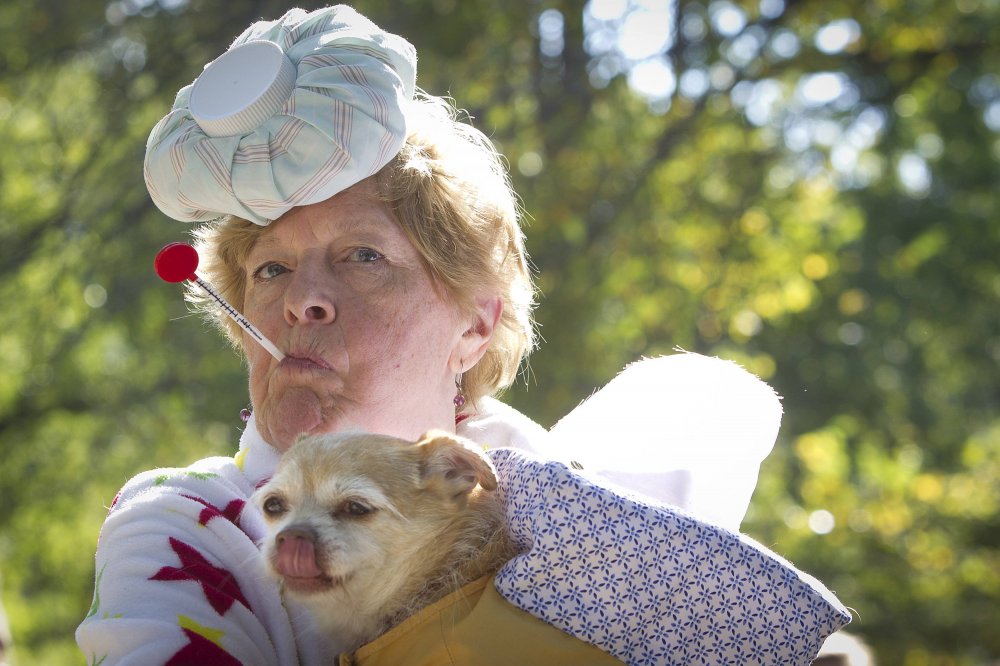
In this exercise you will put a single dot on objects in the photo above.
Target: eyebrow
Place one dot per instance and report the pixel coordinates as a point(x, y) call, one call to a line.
point(351, 225)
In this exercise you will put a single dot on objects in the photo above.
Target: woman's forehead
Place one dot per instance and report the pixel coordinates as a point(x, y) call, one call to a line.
point(347, 213)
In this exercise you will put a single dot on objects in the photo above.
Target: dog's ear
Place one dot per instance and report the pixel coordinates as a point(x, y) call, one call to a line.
point(455, 462)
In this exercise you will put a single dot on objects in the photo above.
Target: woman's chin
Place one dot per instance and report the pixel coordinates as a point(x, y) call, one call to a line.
point(296, 412)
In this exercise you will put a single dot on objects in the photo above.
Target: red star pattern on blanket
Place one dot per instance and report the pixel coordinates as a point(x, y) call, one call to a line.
point(230, 512)
point(218, 585)
point(201, 650)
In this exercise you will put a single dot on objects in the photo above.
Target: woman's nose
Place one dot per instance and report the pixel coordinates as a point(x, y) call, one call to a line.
point(309, 299)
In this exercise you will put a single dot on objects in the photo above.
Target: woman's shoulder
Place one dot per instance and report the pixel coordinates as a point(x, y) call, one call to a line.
point(213, 467)
point(217, 474)
point(497, 425)
point(213, 479)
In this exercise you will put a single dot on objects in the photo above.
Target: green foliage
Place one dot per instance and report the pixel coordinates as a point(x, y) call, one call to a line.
point(846, 251)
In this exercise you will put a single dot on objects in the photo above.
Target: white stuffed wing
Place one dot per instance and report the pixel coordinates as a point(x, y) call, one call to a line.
point(686, 429)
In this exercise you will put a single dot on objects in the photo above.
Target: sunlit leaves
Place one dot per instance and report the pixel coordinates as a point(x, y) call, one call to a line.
point(815, 200)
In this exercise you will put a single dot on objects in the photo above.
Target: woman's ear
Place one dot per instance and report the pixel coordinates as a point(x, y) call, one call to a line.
point(476, 339)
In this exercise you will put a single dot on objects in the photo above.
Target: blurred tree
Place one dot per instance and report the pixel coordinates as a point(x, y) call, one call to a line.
point(807, 187)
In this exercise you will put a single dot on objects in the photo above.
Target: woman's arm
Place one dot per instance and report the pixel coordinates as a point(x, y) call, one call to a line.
point(179, 577)
point(648, 583)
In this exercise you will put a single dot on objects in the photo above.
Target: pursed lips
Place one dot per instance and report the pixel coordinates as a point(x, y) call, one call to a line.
point(304, 362)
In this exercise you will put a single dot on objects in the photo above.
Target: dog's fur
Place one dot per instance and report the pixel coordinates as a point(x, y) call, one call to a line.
point(367, 529)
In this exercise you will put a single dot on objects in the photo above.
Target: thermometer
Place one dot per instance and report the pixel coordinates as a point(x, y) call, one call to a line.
point(177, 262)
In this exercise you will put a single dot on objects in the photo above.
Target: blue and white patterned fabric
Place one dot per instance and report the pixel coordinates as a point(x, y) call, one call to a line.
point(648, 583)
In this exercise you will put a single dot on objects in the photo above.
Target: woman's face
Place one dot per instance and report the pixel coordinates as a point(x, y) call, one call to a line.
point(369, 342)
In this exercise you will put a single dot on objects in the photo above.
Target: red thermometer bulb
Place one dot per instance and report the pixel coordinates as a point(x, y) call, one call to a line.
point(177, 262)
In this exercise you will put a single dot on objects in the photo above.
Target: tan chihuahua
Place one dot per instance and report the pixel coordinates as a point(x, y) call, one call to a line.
point(367, 529)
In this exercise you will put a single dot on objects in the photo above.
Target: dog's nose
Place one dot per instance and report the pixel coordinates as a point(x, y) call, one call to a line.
point(295, 553)
point(296, 532)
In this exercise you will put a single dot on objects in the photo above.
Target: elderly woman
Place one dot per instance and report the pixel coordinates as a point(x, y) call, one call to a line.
point(392, 299)
point(374, 240)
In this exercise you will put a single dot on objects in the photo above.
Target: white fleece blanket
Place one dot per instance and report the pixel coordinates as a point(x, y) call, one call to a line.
point(638, 553)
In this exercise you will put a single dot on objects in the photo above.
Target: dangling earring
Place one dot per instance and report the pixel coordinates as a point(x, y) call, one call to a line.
point(245, 414)
point(459, 396)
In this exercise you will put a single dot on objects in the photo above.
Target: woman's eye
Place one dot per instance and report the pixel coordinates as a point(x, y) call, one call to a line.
point(364, 255)
point(268, 271)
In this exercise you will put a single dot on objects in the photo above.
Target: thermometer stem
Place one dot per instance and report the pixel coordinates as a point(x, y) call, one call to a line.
point(242, 321)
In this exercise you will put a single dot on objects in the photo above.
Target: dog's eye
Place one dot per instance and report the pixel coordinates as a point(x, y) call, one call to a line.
point(274, 506)
point(354, 508)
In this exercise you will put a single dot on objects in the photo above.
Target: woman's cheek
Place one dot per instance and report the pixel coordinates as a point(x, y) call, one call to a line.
point(270, 321)
point(258, 380)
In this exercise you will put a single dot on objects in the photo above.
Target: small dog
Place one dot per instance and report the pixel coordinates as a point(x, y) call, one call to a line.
point(365, 529)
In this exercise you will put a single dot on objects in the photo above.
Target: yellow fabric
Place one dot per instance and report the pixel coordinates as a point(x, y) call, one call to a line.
point(475, 626)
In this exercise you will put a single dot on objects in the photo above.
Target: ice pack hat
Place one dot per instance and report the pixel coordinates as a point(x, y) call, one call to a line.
point(297, 110)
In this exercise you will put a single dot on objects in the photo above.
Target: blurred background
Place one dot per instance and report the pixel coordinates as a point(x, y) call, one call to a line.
point(806, 187)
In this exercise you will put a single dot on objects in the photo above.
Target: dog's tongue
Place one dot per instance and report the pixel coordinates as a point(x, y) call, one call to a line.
point(297, 559)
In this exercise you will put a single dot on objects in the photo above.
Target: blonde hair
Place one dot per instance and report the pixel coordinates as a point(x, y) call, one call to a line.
point(451, 195)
